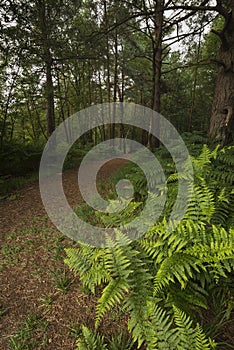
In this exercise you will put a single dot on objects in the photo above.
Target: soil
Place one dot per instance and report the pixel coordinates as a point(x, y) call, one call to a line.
point(42, 304)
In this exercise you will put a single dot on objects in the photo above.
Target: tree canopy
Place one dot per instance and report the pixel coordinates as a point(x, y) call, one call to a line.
point(58, 57)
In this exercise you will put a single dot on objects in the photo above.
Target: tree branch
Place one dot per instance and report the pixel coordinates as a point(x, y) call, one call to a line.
point(74, 57)
point(123, 21)
point(197, 64)
point(203, 7)
point(184, 35)
point(188, 15)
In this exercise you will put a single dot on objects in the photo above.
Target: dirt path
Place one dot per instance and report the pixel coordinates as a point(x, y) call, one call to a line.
point(42, 304)
point(27, 203)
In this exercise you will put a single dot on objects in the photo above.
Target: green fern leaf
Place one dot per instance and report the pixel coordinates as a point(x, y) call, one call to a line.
point(112, 295)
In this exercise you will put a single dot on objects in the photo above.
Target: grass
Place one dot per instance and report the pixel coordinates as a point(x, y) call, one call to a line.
point(10, 254)
point(36, 254)
point(75, 329)
point(45, 303)
point(62, 280)
point(55, 301)
point(30, 333)
point(20, 243)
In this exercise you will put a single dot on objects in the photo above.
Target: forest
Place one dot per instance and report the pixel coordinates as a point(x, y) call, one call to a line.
point(170, 288)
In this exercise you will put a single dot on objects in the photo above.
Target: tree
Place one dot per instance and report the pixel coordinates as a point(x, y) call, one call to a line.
point(222, 115)
point(157, 65)
point(43, 13)
point(221, 121)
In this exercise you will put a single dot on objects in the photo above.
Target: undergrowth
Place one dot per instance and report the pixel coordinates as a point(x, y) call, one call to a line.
point(167, 279)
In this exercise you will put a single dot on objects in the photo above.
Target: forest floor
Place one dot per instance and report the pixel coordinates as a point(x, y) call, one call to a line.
point(42, 304)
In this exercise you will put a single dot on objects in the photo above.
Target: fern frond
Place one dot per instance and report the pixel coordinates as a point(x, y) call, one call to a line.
point(201, 341)
point(137, 304)
point(139, 323)
point(117, 263)
point(201, 206)
point(178, 266)
point(162, 323)
point(185, 330)
point(192, 297)
point(112, 295)
point(89, 263)
point(90, 340)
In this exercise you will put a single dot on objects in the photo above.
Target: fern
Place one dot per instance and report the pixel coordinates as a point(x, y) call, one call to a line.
point(178, 266)
point(88, 262)
point(190, 338)
point(90, 341)
point(113, 294)
point(162, 323)
point(160, 279)
point(185, 330)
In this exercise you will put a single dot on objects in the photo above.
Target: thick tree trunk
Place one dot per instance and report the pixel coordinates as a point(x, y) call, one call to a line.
point(222, 114)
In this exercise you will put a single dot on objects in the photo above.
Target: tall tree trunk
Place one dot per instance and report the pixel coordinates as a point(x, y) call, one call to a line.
point(90, 94)
point(222, 114)
point(194, 88)
point(157, 67)
point(50, 96)
point(48, 59)
point(122, 143)
point(115, 88)
point(61, 103)
point(108, 87)
point(30, 114)
point(102, 127)
point(7, 106)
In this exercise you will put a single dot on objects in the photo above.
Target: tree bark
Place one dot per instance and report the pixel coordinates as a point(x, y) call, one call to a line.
point(7, 106)
point(194, 88)
point(122, 143)
point(102, 127)
point(50, 97)
point(108, 83)
point(222, 114)
point(48, 59)
point(157, 68)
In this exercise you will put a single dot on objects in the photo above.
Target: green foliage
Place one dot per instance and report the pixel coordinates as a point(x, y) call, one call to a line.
point(163, 277)
point(90, 340)
point(26, 337)
point(62, 280)
point(17, 159)
point(81, 73)
point(190, 338)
